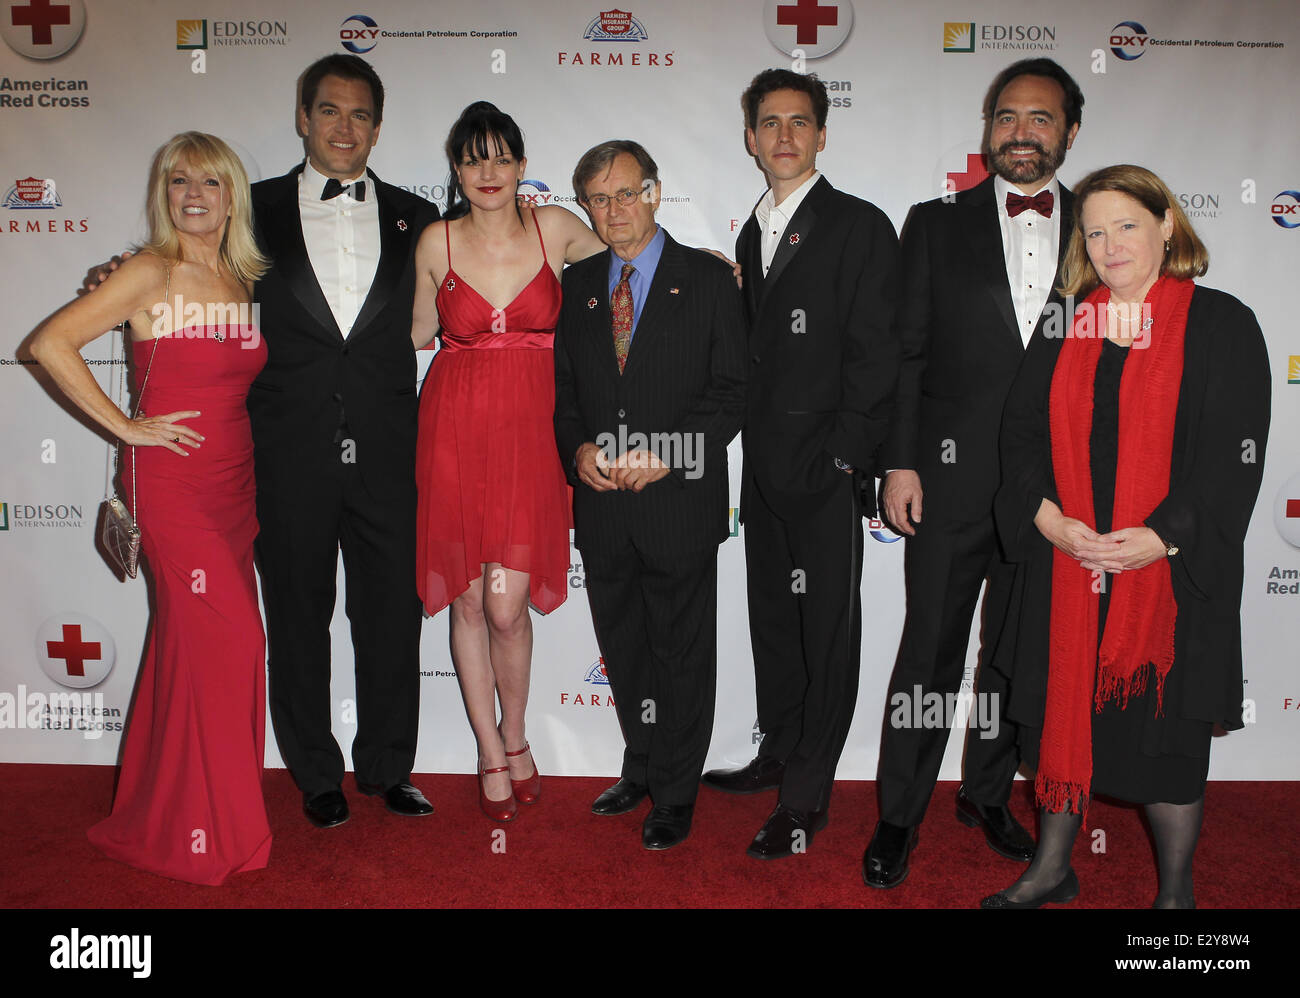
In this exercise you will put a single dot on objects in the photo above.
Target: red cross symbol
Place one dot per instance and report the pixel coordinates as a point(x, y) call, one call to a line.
point(73, 650)
point(41, 17)
point(1292, 508)
point(807, 16)
point(794, 239)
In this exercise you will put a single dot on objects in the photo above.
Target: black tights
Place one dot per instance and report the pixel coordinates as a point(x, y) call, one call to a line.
point(1175, 827)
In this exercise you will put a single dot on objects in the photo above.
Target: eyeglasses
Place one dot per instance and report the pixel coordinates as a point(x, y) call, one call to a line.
point(599, 202)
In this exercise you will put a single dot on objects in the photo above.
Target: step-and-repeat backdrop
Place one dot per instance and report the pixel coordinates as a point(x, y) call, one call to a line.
point(1199, 92)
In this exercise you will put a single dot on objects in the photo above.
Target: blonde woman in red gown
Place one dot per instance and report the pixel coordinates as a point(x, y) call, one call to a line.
point(189, 798)
point(494, 506)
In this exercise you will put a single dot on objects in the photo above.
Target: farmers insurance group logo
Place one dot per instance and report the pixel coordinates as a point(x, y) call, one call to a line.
point(36, 194)
point(42, 29)
point(815, 28)
point(615, 26)
point(1285, 209)
point(597, 677)
point(612, 29)
point(32, 192)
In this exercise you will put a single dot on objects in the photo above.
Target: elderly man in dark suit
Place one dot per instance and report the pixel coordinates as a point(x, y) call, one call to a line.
point(649, 375)
point(979, 277)
point(333, 420)
point(820, 268)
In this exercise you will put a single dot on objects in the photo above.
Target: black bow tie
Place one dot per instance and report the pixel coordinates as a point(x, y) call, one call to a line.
point(333, 189)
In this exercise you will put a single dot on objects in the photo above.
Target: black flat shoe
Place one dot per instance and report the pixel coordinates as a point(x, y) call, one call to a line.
point(622, 797)
point(786, 832)
point(666, 825)
point(761, 773)
point(1063, 893)
point(1005, 836)
point(400, 798)
point(885, 863)
point(326, 810)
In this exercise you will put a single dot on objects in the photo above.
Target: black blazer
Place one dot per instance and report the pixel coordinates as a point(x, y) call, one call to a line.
point(961, 349)
point(685, 376)
point(312, 371)
point(823, 357)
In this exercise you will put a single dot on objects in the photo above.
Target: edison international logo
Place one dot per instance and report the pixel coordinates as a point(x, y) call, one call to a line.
point(42, 29)
point(815, 28)
point(1293, 370)
point(1285, 209)
point(4, 516)
point(959, 36)
point(192, 34)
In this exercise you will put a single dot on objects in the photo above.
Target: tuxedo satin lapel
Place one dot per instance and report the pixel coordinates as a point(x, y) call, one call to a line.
point(394, 248)
point(988, 262)
point(794, 238)
point(662, 300)
point(286, 246)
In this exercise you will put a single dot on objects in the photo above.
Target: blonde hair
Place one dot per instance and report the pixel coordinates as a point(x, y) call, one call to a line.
point(1187, 256)
point(239, 252)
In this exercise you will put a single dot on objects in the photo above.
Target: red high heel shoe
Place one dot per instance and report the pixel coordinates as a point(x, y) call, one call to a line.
point(497, 810)
point(528, 790)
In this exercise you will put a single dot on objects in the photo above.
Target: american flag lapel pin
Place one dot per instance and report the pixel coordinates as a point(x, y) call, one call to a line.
point(674, 291)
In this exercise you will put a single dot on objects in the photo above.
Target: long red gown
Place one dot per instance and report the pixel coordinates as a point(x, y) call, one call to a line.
point(189, 798)
point(491, 488)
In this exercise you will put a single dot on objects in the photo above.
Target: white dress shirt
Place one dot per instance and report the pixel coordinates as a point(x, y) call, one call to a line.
point(774, 218)
point(342, 236)
point(1029, 246)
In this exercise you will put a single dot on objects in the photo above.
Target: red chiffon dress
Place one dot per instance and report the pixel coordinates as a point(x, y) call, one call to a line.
point(189, 797)
point(491, 488)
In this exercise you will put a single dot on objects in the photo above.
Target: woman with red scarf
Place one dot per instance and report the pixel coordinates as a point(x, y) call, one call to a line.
point(1132, 453)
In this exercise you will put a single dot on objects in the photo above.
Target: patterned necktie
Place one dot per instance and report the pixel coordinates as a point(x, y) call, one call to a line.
point(620, 307)
point(1041, 202)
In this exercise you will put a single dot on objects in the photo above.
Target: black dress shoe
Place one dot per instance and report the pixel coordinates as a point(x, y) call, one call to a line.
point(622, 797)
point(762, 773)
point(1063, 893)
point(326, 810)
point(884, 864)
point(786, 832)
point(400, 798)
point(1005, 836)
point(666, 825)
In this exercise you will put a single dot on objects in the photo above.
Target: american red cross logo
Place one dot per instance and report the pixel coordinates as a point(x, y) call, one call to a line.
point(976, 173)
point(41, 16)
point(807, 16)
point(1292, 508)
point(73, 650)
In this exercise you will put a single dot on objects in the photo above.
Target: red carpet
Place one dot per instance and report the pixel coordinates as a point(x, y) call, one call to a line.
point(558, 855)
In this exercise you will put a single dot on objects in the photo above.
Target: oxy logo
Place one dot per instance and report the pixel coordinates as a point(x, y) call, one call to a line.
point(1286, 511)
point(533, 193)
point(811, 27)
point(881, 531)
point(74, 650)
point(42, 29)
point(359, 33)
point(1285, 209)
point(1128, 40)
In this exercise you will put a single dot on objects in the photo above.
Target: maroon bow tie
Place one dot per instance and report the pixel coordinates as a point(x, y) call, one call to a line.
point(1040, 202)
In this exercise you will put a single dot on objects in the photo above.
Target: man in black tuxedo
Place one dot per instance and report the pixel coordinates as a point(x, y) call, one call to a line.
point(333, 417)
point(979, 277)
point(649, 379)
point(820, 268)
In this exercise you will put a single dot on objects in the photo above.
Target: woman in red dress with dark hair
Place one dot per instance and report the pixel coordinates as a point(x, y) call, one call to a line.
point(494, 508)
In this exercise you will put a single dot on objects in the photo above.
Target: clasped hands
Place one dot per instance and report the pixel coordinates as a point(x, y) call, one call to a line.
point(1123, 550)
point(632, 470)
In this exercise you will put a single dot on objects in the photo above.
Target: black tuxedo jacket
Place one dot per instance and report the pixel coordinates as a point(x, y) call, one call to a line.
point(685, 376)
point(315, 375)
point(823, 357)
point(961, 349)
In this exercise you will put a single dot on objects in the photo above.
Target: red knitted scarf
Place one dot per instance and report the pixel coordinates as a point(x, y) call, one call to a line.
point(1139, 633)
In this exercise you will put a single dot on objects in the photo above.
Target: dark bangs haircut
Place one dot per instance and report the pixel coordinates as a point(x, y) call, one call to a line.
point(784, 79)
point(345, 67)
point(481, 130)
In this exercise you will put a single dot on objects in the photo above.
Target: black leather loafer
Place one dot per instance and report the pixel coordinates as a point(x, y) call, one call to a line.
point(762, 773)
point(666, 825)
point(884, 864)
point(786, 832)
point(400, 798)
point(1063, 893)
point(1005, 836)
point(326, 810)
point(622, 797)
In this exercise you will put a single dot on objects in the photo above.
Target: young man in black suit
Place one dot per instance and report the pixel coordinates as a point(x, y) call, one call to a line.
point(333, 417)
point(979, 277)
point(820, 268)
point(649, 390)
